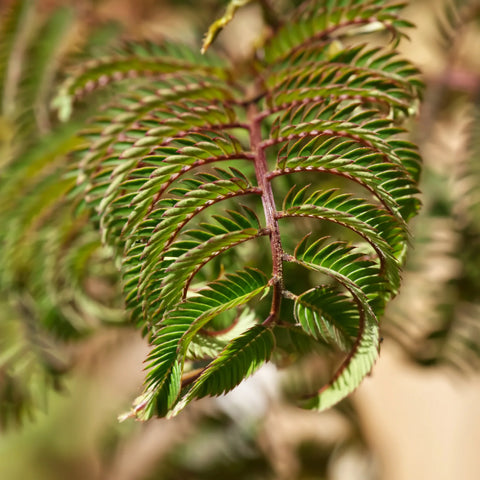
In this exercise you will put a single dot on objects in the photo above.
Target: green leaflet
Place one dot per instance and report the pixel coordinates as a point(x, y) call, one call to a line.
point(326, 314)
point(379, 229)
point(319, 21)
point(364, 352)
point(187, 264)
point(150, 60)
point(239, 360)
point(242, 357)
point(352, 371)
point(207, 344)
point(170, 344)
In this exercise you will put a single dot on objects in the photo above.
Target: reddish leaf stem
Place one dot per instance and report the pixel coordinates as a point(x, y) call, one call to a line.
point(261, 171)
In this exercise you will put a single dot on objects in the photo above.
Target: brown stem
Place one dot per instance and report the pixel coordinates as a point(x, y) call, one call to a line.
point(261, 171)
point(190, 377)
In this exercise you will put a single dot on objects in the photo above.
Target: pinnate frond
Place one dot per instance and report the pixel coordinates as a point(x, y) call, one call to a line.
point(182, 323)
point(242, 357)
point(201, 169)
point(338, 263)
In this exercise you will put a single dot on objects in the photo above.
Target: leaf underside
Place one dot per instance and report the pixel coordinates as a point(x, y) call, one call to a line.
point(218, 203)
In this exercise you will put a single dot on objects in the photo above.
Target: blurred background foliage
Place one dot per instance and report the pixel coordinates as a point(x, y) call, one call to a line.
point(61, 318)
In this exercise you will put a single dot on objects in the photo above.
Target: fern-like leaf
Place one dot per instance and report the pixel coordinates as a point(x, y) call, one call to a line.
point(200, 169)
point(337, 262)
point(237, 361)
point(183, 322)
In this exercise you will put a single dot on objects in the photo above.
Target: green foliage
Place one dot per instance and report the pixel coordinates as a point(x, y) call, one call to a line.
point(11, 46)
point(51, 260)
point(197, 179)
point(183, 172)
